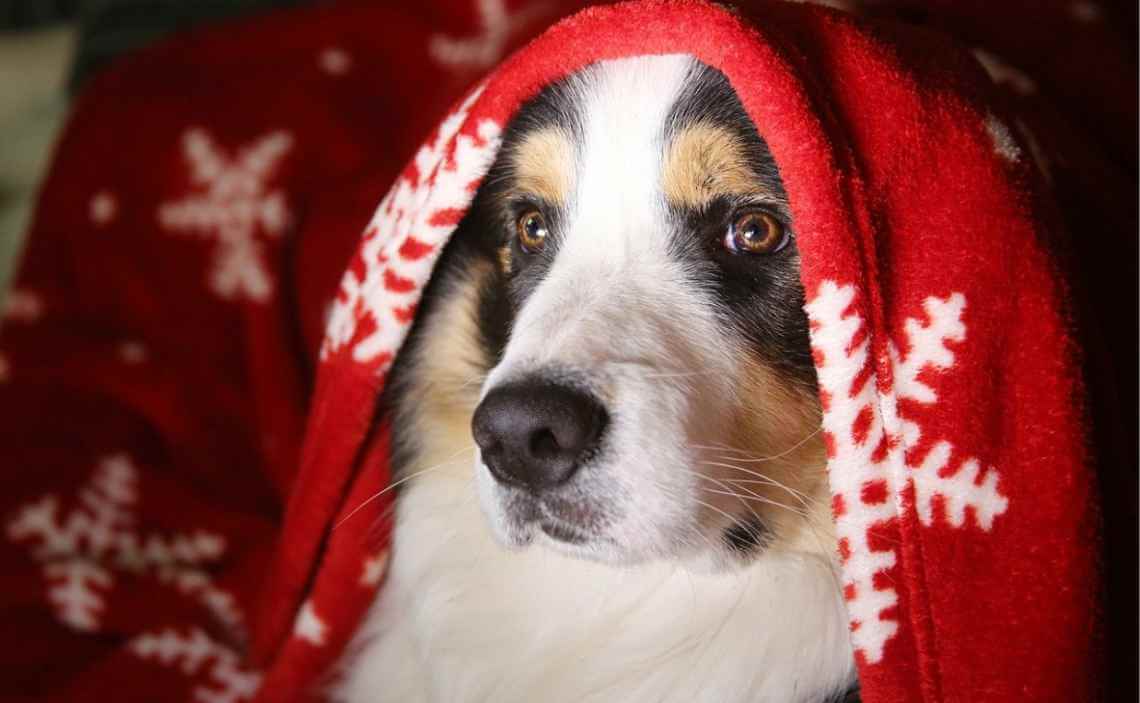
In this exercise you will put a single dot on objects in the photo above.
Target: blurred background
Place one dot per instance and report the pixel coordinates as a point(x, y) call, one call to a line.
point(48, 48)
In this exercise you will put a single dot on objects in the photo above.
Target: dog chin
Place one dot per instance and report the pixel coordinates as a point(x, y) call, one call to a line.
point(519, 520)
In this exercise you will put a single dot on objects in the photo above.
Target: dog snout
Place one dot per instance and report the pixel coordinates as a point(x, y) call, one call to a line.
point(536, 434)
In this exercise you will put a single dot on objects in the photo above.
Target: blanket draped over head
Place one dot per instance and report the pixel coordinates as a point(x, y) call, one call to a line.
point(193, 350)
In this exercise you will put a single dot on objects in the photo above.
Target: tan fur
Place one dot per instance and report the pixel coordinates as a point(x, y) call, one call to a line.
point(776, 461)
point(779, 466)
point(544, 164)
point(505, 258)
point(703, 161)
point(448, 373)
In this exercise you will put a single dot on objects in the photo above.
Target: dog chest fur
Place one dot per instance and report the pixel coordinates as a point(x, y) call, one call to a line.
point(461, 619)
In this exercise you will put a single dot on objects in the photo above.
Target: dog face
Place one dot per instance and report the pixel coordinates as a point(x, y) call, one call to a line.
point(626, 288)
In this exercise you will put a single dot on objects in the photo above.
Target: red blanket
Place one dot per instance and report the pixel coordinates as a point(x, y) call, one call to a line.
point(187, 511)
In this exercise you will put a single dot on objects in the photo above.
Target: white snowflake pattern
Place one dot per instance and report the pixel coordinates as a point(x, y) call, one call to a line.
point(309, 626)
point(194, 653)
point(102, 208)
point(869, 435)
point(335, 61)
point(498, 25)
point(379, 292)
point(233, 204)
point(1005, 145)
point(132, 352)
point(374, 569)
point(81, 550)
point(1005, 74)
point(23, 305)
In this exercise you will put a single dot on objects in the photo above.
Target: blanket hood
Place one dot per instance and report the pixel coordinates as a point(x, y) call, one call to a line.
point(962, 493)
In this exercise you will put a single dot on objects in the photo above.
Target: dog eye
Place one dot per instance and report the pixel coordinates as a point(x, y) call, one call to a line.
point(755, 232)
point(532, 231)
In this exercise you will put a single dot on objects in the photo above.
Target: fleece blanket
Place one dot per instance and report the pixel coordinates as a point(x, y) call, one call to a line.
point(192, 353)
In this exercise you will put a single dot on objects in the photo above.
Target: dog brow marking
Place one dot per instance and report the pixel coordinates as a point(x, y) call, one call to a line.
point(544, 163)
point(702, 161)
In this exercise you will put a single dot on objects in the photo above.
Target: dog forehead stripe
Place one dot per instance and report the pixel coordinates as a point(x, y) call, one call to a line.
point(544, 164)
point(703, 161)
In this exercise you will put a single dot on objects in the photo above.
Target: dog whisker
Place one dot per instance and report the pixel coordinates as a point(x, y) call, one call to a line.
point(756, 459)
point(679, 374)
point(405, 479)
point(727, 490)
point(732, 520)
point(787, 451)
point(763, 478)
point(758, 499)
point(802, 497)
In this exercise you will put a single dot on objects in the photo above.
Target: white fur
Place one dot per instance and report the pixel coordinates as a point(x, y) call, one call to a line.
point(461, 619)
point(645, 610)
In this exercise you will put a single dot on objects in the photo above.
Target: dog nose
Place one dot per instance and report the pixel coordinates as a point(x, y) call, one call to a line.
point(535, 434)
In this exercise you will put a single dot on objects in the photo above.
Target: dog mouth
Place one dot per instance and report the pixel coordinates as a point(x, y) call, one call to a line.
point(562, 532)
point(566, 520)
point(570, 519)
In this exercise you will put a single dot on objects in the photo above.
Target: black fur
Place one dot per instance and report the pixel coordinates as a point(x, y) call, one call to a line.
point(747, 536)
point(762, 296)
point(554, 107)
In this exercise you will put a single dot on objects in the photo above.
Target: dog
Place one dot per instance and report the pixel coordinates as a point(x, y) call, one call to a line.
point(612, 483)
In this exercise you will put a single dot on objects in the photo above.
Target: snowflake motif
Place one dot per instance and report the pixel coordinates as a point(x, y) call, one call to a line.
point(80, 551)
point(192, 653)
point(103, 208)
point(335, 61)
point(485, 49)
point(374, 569)
point(1005, 145)
point(380, 290)
point(23, 306)
point(309, 626)
point(868, 437)
point(233, 205)
point(132, 352)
